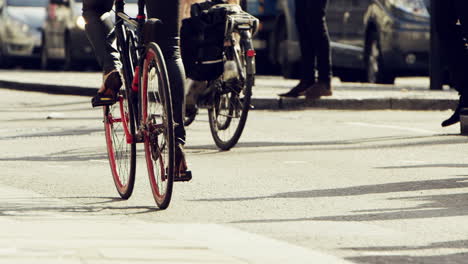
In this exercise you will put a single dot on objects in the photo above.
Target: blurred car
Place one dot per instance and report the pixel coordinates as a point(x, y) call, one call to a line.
point(266, 12)
point(20, 30)
point(372, 40)
point(65, 40)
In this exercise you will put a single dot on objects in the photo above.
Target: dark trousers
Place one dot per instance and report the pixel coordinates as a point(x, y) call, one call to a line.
point(454, 53)
point(167, 38)
point(314, 39)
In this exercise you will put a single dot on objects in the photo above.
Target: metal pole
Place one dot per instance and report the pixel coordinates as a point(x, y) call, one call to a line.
point(435, 68)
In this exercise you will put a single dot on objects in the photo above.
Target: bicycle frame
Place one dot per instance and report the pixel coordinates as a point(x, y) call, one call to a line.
point(129, 30)
point(245, 25)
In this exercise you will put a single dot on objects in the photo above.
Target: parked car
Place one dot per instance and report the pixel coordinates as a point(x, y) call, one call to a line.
point(372, 40)
point(266, 12)
point(20, 30)
point(65, 40)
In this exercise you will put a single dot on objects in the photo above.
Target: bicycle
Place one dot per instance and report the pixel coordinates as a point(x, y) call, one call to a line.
point(228, 99)
point(143, 112)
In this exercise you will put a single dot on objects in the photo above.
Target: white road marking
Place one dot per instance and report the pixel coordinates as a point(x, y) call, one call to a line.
point(99, 161)
point(295, 162)
point(58, 166)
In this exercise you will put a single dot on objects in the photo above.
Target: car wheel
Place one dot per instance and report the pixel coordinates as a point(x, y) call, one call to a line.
point(375, 67)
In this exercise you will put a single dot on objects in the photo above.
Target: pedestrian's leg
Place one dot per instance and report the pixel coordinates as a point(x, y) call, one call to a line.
point(458, 48)
point(307, 48)
point(453, 50)
point(320, 41)
point(321, 37)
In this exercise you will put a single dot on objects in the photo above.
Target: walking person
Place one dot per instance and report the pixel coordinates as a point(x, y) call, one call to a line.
point(315, 49)
point(451, 22)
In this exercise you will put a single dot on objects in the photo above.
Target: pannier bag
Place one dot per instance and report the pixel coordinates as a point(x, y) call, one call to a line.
point(202, 39)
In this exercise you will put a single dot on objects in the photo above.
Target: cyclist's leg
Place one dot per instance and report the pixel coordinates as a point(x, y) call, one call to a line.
point(168, 38)
point(98, 27)
point(97, 30)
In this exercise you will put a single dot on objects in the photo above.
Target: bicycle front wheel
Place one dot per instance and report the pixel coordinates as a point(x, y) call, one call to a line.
point(119, 129)
point(158, 124)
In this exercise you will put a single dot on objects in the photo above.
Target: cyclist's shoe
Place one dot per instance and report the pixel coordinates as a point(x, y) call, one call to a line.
point(455, 117)
point(318, 90)
point(108, 94)
point(181, 173)
point(299, 90)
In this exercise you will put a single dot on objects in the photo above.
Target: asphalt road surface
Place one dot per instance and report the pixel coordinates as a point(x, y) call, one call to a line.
point(366, 186)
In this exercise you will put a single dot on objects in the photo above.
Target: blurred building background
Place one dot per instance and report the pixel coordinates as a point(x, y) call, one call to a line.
point(372, 40)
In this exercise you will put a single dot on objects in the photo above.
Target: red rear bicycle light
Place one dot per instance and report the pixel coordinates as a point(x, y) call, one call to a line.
point(251, 53)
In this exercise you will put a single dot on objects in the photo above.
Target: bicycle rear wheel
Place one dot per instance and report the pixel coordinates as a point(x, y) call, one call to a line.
point(228, 112)
point(119, 129)
point(158, 122)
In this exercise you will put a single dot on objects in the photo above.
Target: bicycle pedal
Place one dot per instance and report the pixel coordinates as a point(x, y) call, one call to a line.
point(184, 178)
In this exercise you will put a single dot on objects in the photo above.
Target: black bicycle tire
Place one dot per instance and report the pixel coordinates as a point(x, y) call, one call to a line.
point(124, 190)
point(228, 144)
point(127, 94)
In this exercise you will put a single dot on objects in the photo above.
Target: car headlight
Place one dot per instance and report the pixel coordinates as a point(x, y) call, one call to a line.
point(15, 28)
point(25, 28)
point(416, 7)
point(80, 22)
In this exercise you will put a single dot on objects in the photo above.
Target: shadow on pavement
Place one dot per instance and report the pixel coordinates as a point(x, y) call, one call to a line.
point(24, 207)
point(352, 144)
point(452, 258)
point(51, 119)
point(435, 206)
point(67, 156)
point(372, 253)
point(452, 183)
point(457, 244)
point(77, 131)
point(432, 205)
point(422, 166)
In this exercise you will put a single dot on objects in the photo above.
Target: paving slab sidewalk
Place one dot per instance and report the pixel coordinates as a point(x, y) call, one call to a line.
point(406, 94)
point(38, 229)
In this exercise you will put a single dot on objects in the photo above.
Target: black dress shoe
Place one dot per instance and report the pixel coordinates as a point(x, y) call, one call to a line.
point(298, 90)
point(455, 117)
